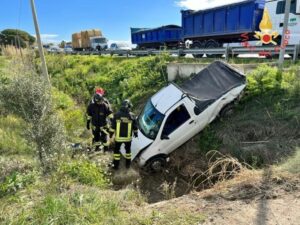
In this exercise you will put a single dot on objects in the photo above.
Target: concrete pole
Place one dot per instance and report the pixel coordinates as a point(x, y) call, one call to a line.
point(285, 27)
point(38, 37)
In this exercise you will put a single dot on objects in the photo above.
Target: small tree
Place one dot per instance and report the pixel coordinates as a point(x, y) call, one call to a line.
point(62, 44)
point(29, 96)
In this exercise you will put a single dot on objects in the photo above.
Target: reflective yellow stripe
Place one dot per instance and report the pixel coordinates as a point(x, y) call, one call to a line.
point(117, 156)
point(111, 116)
point(106, 144)
point(97, 144)
point(129, 130)
point(128, 156)
point(123, 139)
point(88, 117)
point(104, 130)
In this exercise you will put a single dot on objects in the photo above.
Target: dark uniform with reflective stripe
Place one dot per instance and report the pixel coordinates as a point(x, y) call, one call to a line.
point(107, 128)
point(98, 114)
point(124, 123)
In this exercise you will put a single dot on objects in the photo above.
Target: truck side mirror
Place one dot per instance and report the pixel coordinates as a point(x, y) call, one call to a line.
point(165, 137)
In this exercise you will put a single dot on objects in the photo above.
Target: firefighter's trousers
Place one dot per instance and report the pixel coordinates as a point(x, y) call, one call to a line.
point(117, 154)
point(100, 138)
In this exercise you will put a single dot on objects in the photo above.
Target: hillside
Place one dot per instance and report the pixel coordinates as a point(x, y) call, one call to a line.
point(252, 179)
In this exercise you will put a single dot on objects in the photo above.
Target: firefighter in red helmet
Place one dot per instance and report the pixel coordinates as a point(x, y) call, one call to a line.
point(98, 113)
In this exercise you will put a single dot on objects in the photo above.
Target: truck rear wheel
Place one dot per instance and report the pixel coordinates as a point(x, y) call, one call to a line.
point(211, 44)
point(197, 45)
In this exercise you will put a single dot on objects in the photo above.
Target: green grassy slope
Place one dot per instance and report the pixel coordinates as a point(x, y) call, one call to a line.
point(79, 191)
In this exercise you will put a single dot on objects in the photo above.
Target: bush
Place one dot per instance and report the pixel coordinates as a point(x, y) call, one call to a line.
point(84, 172)
point(29, 97)
point(264, 79)
point(16, 181)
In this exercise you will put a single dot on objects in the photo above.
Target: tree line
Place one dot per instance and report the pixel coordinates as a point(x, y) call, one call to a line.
point(16, 38)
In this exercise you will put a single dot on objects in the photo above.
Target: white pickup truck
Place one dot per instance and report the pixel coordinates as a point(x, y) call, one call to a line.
point(177, 113)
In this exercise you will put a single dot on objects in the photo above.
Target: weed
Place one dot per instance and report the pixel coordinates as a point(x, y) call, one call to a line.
point(84, 172)
point(16, 181)
point(208, 140)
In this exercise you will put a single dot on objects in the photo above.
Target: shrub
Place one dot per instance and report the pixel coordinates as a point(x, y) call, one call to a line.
point(16, 181)
point(29, 97)
point(85, 172)
point(264, 79)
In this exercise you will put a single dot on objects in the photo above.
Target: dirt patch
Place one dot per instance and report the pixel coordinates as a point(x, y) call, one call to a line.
point(251, 198)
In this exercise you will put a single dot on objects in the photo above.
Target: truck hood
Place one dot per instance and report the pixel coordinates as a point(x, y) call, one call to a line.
point(137, 144)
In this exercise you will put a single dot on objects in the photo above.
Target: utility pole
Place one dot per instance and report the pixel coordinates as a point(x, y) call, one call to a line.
point(284, 30)
point(38, 37)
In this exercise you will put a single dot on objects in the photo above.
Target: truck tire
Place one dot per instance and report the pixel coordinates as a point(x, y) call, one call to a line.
point(156, 164)
point(211, 44)
point(197, 45)
point(227, 110)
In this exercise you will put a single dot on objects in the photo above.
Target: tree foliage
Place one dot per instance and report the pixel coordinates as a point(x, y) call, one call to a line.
point(11, 36)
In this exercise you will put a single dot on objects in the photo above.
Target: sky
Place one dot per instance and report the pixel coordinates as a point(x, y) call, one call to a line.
point(58, 19)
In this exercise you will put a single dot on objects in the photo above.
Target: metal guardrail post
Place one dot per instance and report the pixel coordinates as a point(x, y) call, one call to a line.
point(296, 52)
point(295, 55)
point(227, 53)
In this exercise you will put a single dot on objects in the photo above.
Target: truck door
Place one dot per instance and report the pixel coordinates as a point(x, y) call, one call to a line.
point(177, 129)
point(277, 10)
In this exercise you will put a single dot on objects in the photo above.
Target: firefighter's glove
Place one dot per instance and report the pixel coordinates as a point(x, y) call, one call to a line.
point(135, 134)
point(88, 125)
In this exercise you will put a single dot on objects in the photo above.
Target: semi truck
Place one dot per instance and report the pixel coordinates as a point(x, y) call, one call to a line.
point(89, 40)
point(213, 27)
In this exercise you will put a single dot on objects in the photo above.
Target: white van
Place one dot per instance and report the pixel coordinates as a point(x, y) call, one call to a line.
point(177, 113)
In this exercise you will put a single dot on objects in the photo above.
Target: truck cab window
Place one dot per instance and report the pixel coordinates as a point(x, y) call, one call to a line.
point(281, 7)
point(178, 117)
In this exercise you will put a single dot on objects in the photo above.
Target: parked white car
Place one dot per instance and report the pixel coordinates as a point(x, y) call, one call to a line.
point(120, 46)
point(55, 49)
point(177, 113)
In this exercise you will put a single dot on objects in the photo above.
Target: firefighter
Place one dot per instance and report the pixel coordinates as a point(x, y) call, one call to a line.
point(98, 113)
point(124, 124)
point(101, 91)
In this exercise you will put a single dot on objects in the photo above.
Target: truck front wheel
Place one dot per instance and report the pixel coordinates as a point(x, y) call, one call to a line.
point(156, 164)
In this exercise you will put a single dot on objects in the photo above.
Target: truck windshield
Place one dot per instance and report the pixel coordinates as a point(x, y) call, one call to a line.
point(100, 40)
point(150, 121)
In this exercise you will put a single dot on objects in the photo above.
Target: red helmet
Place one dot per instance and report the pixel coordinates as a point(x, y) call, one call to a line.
point(100, 91)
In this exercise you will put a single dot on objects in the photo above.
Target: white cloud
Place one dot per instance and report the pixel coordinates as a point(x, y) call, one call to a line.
point(204, 4)
point(49, 38)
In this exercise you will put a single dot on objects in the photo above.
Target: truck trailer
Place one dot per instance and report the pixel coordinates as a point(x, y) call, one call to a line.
point(146, 38)
point(213, 27)
point(89, 40)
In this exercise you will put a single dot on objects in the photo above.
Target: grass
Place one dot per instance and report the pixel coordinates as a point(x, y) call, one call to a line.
point(79, 191)
point(12, 136)
point(292, 164)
